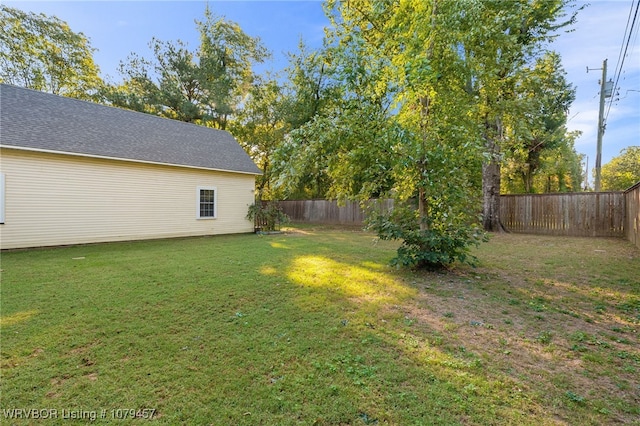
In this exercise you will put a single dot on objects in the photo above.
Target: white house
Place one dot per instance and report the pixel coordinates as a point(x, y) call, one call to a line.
point(77, 172)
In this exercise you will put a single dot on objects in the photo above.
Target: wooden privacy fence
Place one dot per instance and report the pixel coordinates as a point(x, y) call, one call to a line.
point(578, 214)
point(585, 214)
point(329, 211)
point(632, 207)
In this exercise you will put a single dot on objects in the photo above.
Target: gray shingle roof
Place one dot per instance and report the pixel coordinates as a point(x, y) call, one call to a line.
point(40, 121)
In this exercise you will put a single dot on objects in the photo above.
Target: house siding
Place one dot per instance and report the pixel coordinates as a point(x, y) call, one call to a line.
point(57, 199)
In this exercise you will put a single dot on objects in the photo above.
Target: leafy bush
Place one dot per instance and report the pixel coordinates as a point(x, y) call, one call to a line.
point(434, 247)
point(267, 216)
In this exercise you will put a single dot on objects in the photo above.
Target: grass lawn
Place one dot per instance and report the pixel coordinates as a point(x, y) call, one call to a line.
point(313, 327)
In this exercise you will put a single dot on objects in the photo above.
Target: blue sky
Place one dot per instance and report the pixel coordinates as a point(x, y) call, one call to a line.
point(117, 28)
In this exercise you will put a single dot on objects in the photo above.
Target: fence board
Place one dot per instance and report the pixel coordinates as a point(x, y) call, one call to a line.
point(584, 214)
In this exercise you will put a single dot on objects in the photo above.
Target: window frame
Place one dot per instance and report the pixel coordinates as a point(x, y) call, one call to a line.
point(199, 202)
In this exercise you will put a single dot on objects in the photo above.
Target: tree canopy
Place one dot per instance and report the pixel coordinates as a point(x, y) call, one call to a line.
point(622, 171)
point(502, 38)
point(391, 131)
point(41, 52)
point(260, 127)
point(429, 91)
point(539, 154)
point(202, 86)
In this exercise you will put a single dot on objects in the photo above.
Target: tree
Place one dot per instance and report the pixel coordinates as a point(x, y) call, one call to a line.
point(42, 53)
point(312, 93)
point(558, 169)
point(310, 87)
point(547, 97)
point(440, 146)
point(204, 86)
point(561, 168)
point(400, 127)
point(499, 39)
point(622, 171)
point(537, 133)
point(260, 128)
point(426, 89)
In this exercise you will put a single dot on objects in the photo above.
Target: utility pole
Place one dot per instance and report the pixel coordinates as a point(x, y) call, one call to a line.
point(600, 126)
point(605, 92)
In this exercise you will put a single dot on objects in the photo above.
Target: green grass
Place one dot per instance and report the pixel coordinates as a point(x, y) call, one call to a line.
point(313, 327)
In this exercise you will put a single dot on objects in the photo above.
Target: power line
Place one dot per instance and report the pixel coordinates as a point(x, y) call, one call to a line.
point(622, 56)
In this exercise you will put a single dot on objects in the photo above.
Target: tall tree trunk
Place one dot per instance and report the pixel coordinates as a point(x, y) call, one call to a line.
point(425, 102)
point(422, 209)
point(491, 197)
point(562, 185)
point(262, 182)
point(491, 179)
point(527, 180)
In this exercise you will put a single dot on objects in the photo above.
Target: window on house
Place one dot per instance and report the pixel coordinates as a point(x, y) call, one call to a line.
point(207, 202)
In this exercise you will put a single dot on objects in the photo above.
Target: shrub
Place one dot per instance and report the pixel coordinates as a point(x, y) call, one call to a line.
point(437, 246)
point(267, 216)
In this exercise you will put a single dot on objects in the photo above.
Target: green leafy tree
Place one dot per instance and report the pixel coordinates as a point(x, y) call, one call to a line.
point(260, 128)
point(391, 133)
point(204, 86)
point(311, 94)
point(41, 52)
point(498, 40)
point(426, 89)
point(622, 171)
point(559, 169)
point(440, 144)
point(548, 97)
point(537, 133)
point(310, 86)
point(273, 112)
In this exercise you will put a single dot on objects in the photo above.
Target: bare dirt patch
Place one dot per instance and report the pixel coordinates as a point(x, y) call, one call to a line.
point(560, 316)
